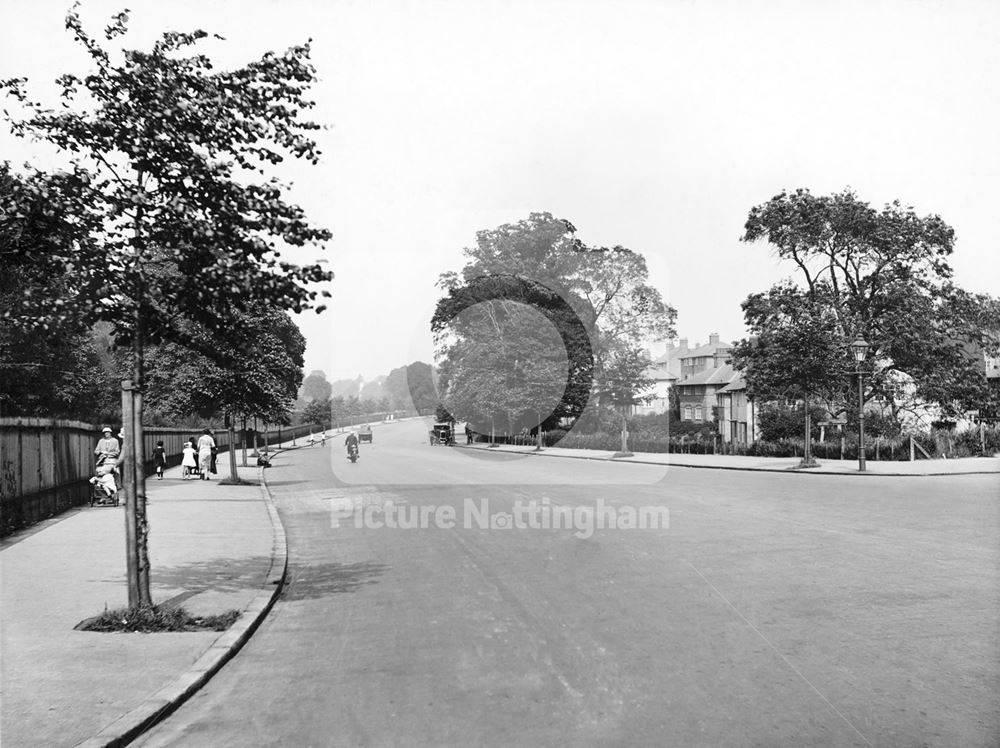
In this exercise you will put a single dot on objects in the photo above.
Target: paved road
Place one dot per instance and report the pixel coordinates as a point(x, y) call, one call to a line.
point(774, 610)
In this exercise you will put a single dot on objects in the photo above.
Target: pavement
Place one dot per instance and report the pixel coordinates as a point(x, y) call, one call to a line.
point(212, 548)
point(957, 466)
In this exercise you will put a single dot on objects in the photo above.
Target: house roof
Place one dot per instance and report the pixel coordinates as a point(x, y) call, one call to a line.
point(719, 375)
point(735, 384)
point(659, 371)
point(709, 349)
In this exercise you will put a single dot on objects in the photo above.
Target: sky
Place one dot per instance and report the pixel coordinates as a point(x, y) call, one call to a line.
point(652, 125)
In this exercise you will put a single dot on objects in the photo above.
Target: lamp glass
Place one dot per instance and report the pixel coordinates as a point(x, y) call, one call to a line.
point(859, 348)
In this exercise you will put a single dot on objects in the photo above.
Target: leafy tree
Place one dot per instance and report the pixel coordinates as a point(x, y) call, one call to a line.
point(254, 372)
point(412, 387)
point(505, 367)
point(603, 291)
point(315, 387)
point(318, 412)
point(169, 228)
point(884, 275)
point(62, 373)
point(797, 350)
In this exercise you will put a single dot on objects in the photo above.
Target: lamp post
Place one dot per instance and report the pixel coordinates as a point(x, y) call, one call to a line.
point(860, 349)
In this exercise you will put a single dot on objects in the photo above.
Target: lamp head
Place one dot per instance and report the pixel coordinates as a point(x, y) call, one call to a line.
point(860, 349)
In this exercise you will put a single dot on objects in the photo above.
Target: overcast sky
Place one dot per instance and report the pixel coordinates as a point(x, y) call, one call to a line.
point(654, 125)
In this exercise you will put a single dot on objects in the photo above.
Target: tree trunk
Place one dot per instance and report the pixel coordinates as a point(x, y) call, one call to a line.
point(133, 469)
point(230, 428)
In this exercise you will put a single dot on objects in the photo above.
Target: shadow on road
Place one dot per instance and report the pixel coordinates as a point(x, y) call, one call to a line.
point(320, 580)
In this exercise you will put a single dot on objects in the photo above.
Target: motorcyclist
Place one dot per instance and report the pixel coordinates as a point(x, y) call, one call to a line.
point(352, 442)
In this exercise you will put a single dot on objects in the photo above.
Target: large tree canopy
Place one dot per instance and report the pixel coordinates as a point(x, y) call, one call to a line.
point(883, 275)
point(598, 300)
point(169, 225)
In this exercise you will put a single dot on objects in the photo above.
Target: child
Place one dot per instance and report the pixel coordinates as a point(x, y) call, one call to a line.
point(189, 462)
point(159, 459)
point(105, 478)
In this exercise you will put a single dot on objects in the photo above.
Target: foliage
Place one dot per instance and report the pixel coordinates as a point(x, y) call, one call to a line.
point(66, 373)
point(255, 370)
point(412, 387)
point(884, 276)
point(318, 411)
point(778, 420)
point(597, 299)
point(506, 369)
point(315, 387)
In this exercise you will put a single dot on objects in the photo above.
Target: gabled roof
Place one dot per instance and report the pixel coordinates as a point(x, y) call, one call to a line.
point(719, 375)
point(736, 384)
point(659, 371)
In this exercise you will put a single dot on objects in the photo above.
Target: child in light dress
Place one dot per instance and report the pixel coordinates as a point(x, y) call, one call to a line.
point(189, 461)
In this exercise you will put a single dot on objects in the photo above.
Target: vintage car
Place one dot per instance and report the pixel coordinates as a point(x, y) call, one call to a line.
point(365, 434)
point(442, 433)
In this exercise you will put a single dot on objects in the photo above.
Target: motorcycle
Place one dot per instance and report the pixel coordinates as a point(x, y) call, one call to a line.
point(352, 453)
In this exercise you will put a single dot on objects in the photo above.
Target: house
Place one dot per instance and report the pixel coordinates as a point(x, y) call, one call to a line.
point(703, 371)
point(738, 422)
point(697, 393)
point(664, 371)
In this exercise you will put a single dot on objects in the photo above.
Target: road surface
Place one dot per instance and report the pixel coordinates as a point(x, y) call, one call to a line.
point(773, 610)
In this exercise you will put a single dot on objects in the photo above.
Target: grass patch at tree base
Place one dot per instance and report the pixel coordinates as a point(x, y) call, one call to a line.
point(237, 482)
point(153, 619)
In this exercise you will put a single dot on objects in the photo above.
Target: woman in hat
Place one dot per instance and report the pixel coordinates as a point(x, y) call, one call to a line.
point(107, 447)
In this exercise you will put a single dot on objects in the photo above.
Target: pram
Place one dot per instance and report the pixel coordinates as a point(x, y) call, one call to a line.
point(104, 485)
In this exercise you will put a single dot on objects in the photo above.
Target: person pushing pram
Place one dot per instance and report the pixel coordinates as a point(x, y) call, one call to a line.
point(105, 479)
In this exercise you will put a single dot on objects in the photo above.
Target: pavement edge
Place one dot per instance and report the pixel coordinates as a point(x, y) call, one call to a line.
point(159, 705)
point(786, 470)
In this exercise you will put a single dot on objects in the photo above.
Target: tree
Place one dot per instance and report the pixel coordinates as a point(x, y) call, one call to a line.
point(318, 412)
point(315, 387)
point(506, 365)
point(884, 276)
point(255, 372)
point(64, 373)
point(598, 299)
point(797, 352)
point(169, 227)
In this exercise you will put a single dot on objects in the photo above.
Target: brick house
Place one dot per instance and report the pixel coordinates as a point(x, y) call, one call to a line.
point(703, 372)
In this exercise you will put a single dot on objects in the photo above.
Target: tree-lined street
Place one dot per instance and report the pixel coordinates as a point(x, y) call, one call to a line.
point(776, 609)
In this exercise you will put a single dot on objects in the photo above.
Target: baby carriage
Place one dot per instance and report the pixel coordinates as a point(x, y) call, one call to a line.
point(104, 485)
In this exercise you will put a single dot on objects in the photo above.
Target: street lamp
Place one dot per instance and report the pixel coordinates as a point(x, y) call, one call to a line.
point(860, 349)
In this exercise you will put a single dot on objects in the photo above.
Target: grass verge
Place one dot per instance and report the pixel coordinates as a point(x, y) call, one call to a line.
point(154, 619)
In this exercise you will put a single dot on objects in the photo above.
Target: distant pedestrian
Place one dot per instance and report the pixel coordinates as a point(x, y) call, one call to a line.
point(159, 459)
point(215, 459)
point(469, 435)
point(205, 446)
point(323, 438)
point(194, 445)
point(188, 461)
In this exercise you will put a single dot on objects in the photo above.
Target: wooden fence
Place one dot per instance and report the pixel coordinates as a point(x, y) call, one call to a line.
point(45, 464)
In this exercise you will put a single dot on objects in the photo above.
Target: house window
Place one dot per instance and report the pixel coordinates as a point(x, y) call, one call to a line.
point(687, 412)
point(697, 413)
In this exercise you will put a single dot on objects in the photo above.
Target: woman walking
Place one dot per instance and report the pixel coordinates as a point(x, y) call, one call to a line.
point(205, 446)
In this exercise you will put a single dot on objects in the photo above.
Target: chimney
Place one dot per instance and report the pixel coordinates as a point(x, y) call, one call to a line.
point(683, 345)
point(713, 339)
